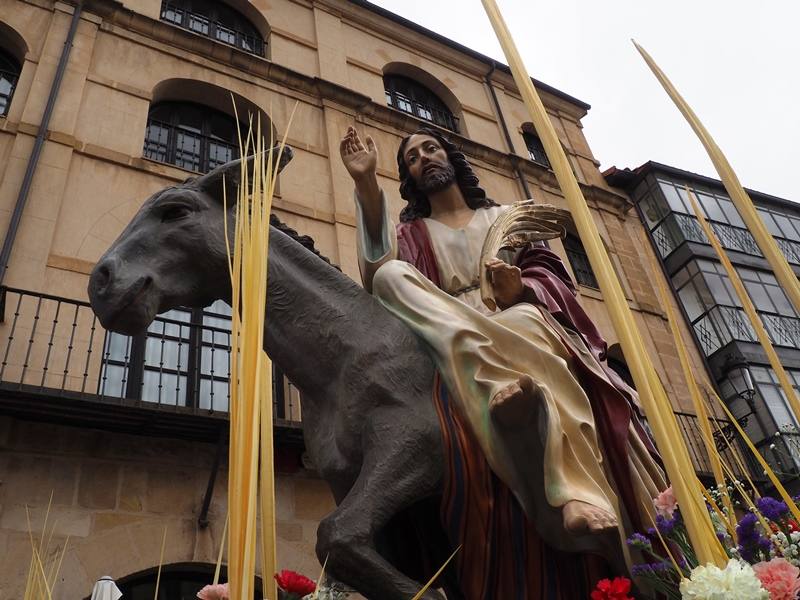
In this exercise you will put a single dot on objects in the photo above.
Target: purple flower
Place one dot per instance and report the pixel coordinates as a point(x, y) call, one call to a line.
point(751, 542)
point(772, 509)
point(666, 525)
point(637, 540)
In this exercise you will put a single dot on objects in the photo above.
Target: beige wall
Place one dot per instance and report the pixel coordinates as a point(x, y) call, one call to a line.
point(328, 58)
point(113, 495)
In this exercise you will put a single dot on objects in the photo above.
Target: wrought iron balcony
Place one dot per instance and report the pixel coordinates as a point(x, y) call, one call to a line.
point(58, 363)
point(677, 228)
point(721, 325)
point(734, 452)
point(204, 23)
point(426, 111)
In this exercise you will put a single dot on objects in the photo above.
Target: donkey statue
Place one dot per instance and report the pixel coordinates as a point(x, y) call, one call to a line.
point(366, 381)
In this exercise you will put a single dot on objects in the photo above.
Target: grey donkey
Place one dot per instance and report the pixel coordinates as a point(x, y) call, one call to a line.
point(366, 381)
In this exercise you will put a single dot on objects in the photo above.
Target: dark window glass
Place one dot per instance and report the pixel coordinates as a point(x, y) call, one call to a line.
point(673, 198)
point(653, 208)
point(190, 136)
point(731, 213)
point(215, 20)
point(174, 585)
point(579, 261)
point(9, 74)
point(711, 208)
point(414, 98)
point(535, 148)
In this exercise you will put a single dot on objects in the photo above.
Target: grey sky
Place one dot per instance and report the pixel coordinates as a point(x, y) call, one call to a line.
point(735, 62)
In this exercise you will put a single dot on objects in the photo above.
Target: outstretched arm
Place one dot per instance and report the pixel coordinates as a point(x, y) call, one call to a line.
point(361, 162)
point(375, 232)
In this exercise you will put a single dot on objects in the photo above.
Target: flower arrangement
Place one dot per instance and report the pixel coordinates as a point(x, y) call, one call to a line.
point(764, 561)
point(217, 591)
point(612, 589)
point(294, 585)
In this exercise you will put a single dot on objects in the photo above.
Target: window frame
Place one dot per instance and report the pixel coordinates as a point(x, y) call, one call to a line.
point(535, 148)
point(11, 68)
point(579, 261)
point(173, 154)
point(414, 98)
point(213, 17)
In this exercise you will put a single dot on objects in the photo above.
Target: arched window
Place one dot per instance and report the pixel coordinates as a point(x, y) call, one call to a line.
point(190, 136)
point(579, 261)
point(177, 581)
point(415, 99)
point(9, 74)
point(216, 20)
point(535, 148)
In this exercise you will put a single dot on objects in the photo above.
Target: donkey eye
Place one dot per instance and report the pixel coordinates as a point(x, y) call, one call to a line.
point(173, 213)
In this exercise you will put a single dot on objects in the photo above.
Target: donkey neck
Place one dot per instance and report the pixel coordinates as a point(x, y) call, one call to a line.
point(313, 314)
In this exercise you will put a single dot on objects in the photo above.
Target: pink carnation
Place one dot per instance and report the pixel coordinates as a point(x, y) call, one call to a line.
point(214, 592)
point(779, 577)
point(666, 503)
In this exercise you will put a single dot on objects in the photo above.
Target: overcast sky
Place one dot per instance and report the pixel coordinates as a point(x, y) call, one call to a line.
point(736, 62)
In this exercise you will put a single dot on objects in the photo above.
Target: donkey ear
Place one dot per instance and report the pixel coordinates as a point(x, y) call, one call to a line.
point(228, 177)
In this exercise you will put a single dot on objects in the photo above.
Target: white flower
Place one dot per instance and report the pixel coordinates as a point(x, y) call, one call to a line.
point(737, 581)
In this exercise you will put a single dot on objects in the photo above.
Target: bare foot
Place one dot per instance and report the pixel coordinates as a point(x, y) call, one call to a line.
point(581, 517)
point(514, 405)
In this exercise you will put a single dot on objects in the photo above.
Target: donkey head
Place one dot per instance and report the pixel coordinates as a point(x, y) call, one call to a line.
point(172, 253)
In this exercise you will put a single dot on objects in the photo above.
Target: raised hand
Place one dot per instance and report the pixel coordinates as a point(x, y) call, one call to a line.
point(506, 282)
point(360, 160)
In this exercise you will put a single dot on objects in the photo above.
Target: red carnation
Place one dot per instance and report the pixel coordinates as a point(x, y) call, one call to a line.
point(294, 583)
point(612, 590)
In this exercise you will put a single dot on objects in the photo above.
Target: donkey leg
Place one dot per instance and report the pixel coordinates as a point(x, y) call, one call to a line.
point(400, 470)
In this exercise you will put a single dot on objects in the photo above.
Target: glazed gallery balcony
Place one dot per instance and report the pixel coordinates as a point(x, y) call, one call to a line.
point(724, 324)
point(58, 364)
point(677, 228)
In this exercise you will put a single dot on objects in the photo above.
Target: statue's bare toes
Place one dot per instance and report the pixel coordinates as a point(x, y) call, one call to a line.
point(514, 405)
point(581, 517)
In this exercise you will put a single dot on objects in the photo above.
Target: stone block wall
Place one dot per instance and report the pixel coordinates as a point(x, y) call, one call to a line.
point(112, 497)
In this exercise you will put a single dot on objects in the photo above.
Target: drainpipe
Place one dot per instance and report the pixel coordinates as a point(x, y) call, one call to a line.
point(33, 161)
point(504, 127)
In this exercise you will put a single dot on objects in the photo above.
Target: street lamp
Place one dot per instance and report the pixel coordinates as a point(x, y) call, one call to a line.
point(737, 371)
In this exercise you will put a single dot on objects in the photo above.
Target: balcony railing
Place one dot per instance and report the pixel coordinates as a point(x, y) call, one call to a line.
point(56, 359)
point(727, 442)
point(425, 111)
point(721, 325)
point(211, 28)
point(677, 228)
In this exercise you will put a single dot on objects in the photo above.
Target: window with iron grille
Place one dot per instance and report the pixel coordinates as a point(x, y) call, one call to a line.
point(579, 261)
point(535, 148)
point(414, 98)
point(190, 136)
point(215, 20)
point(181, 360)
point(9, 74)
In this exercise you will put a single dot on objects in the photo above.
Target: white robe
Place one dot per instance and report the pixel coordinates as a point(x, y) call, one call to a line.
point(478, 353)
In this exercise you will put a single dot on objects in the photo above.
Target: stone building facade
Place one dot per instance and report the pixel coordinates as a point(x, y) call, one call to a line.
point(129, 434)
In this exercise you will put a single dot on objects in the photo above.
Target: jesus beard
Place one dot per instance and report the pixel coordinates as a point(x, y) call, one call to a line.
point(437, 179)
